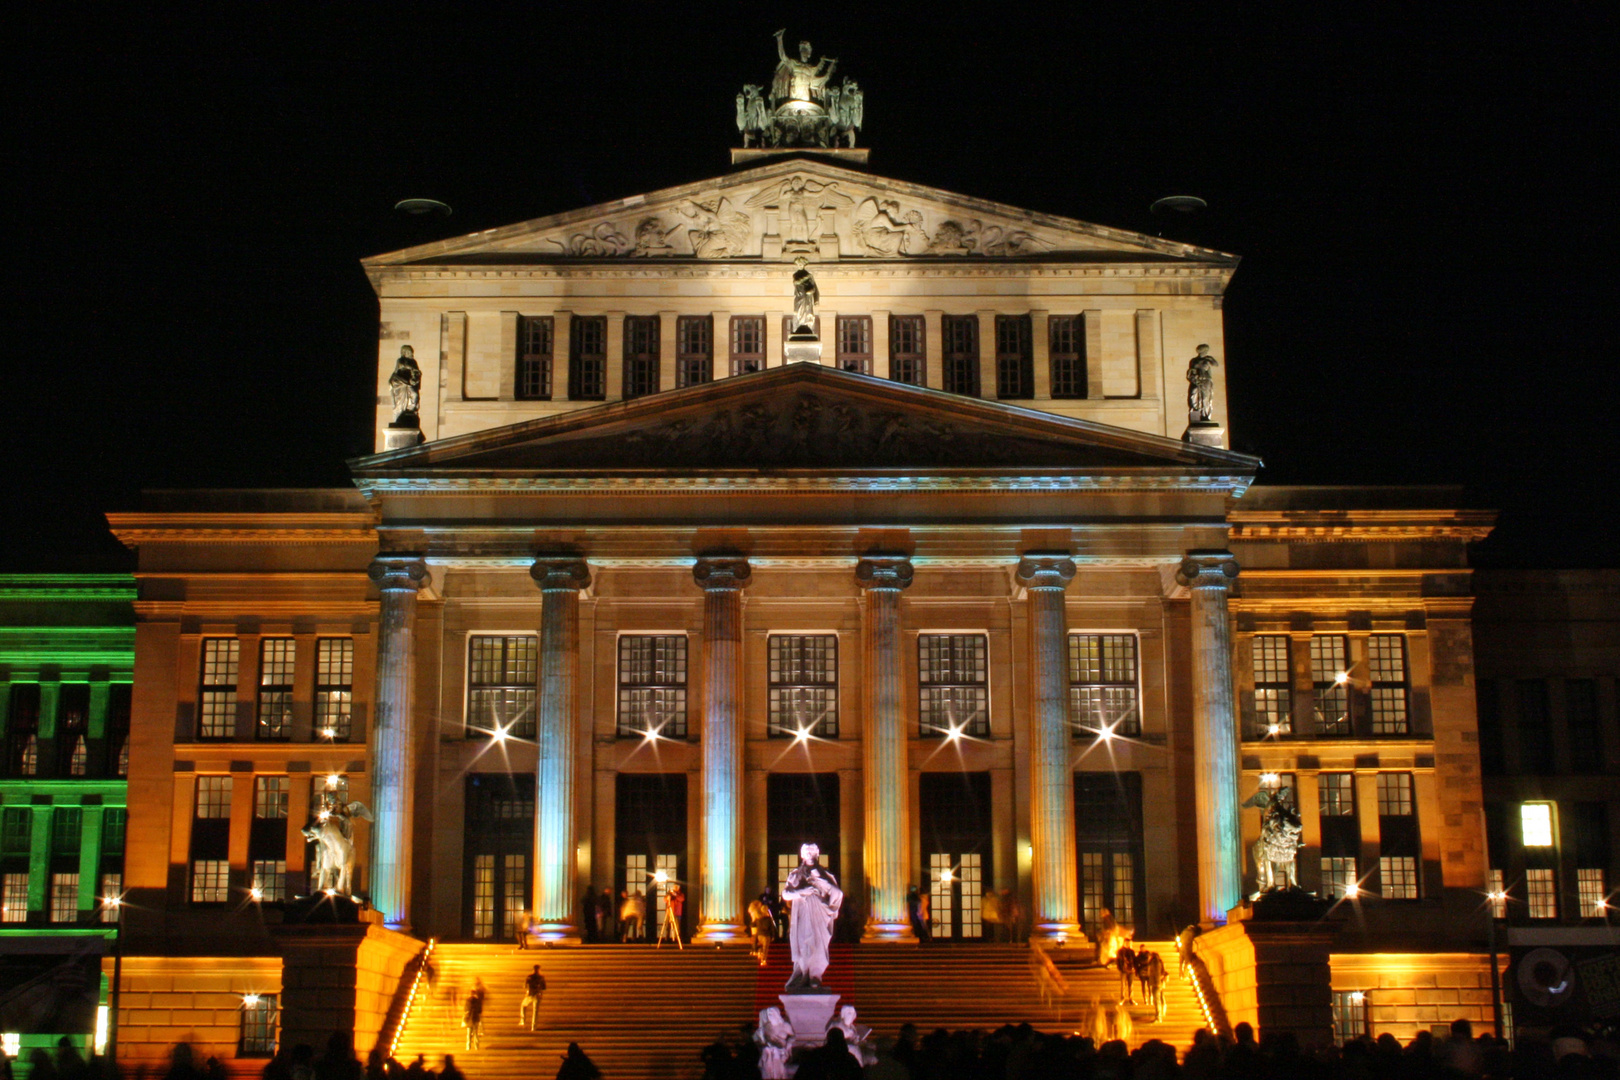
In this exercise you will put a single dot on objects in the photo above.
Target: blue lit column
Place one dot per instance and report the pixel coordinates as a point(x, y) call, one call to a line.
point(721, 904)
point(393, 765)
point(883, 741)
point(1045, 576)
point(1208, 575)
point(560, 579)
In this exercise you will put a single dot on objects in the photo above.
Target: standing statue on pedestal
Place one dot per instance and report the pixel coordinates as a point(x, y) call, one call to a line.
point(1276, 853)
point(816, 899)
point(799, 80)
point(406, 386)
point(1201, 386)
point(805, 298)
point(332, 833)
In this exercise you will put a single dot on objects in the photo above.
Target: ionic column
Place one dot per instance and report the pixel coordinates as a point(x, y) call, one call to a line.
point(1045, 575)
point(560, 579)
point(721, 904)
point(885, 769)
point(1209, 576)
point(393, 763)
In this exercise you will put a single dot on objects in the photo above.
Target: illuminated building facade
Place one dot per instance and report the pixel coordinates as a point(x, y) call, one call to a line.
point(634, 593)
point(67, 644)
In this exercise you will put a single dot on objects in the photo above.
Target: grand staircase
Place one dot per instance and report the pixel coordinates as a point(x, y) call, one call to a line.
point(645, 1014)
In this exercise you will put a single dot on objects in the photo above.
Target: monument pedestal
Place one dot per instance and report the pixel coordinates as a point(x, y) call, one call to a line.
point(810, 1014)
point(1205, 433)
point(1269, 964)
point(802, 348)
point(401, 436)
point(339, 973)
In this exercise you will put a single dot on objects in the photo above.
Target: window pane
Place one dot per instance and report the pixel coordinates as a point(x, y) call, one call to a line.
point(652, 685)
point(1541, 894)
point(1102, 685)
point(258, 1025)
point(213, 797)
point(270, 879)
point(501, 685)
point(1394, 794)
point(906, 350)
point(534, 358)
point(271, 795)
point(334, 688)
point(803, 693)
point(210, 881)
point(14, 898)
point(954, 696)
point(1330, 676)
point(65, 897)
point(1594, 898)
point(1337, 793)
point(217, 701)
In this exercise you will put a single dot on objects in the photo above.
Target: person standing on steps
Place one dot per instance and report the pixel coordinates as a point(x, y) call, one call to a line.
point(674, 904)
point(472, 1014)
point(534, 984)
point(761, 926)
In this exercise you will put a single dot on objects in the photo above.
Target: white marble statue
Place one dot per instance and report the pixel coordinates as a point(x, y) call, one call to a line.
point(775, 1038)
point(855, 1035)
point(816, 898)
point(332, 833)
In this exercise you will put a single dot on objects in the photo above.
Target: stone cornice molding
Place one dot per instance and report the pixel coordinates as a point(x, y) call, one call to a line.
point(721, 572)
point(881, 570)
point(399, 571)
point(1045, 570)
point(655, 485)
point(1207, 569)
point(269, 527)
point(771, 270)
point(560, 573)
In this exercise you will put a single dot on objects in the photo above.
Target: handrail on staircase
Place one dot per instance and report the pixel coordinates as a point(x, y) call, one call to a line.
point(1194, 970)
point(410, 984)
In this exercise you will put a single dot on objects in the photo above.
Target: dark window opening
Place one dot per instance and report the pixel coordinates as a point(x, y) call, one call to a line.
point(961, 354)
point(907, 356)
point(1015, 357)
point(587, 360)
point(1067, 335)
point(535, 341)
point(694, 349)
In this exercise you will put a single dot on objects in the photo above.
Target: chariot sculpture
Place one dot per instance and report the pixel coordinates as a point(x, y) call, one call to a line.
point(803, 106)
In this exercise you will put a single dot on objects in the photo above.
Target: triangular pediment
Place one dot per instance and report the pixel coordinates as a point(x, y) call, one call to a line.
point(799, 207)
point(804, 417)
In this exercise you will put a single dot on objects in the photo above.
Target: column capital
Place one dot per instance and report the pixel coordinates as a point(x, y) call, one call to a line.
point(398, 570)
point(879, 570)
point(720, 572)
point(1207, 569)
point(560, 573)
point(1045, 569)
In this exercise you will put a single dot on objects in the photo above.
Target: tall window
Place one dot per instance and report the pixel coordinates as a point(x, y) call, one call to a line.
point(747, 344)
point(1068, 352)
point(1591, 857)
point(67, 832)
point(961, 354)
point(854, 343)
point(640, 356)
point(1341, 833)
point(65, 897)
point(270, 797)
point(907, 357)
point(1015, 357)
point(1494, 888)
point(1581, 717)
point(16, 832)
point(694, 349)
point(1273, 685)
point(652, 685)
point(216, 701)
point(535, 340)
point(1386, 662)
point(953, 685)
point(22, 730)
point(1398, 850)
point(14, 898)
point(1535, 727)
point(257, 1032)
point(1541, 893)
point(1488, 705)
point(334, 688)
point(587, 358)
point(1594, 898)
point(1102, 685)
point(1349, 1015)
point(501, 685)
point(277, 658)
point(803, 686)
point(1330, 677)
point(210, 841)
point(117, 730)
point(112, 887)
point(72, 725)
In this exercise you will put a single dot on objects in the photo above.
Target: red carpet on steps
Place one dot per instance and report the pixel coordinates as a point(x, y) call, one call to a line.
point(840, 976)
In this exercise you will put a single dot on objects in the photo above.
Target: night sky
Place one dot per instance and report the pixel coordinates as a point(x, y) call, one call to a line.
point(1419, 197)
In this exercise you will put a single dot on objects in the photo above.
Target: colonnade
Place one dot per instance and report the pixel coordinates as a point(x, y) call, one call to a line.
point(883, 577)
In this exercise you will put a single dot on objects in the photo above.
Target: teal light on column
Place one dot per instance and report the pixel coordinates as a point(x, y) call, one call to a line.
point(398, 577)
point(560, 579)
point(1208, 576)
point(721, 905)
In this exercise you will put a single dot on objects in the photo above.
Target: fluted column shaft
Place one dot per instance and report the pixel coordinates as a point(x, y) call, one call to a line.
point(560, 580)
point(885, 772)
point(1045, 576)
point(1208, 575)
point(393, 761)
point(721, 904)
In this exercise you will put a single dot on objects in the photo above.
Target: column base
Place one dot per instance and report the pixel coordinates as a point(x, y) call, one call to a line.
point(1059, 935)
point(557, 933)
point(721, 932)
point(884, 932)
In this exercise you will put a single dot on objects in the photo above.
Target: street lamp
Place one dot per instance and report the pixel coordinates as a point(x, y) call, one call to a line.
point(1497, 901)
point(115, 904)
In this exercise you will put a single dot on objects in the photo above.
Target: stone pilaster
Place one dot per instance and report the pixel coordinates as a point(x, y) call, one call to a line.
point(1208, 575)
point(1045, 576)
point(721, 904)
point(393, 765)
point(560, 578)
point(883, 741)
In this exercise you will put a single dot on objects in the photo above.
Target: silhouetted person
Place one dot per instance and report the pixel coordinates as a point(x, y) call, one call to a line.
point(717, 1059)
point(576, 1066)
point(40, 1064)
point(182, 1064)
point(418, 1068)
point(339, 1062)
point(450, 1072)
point(70, 1064)
point(830, 1061)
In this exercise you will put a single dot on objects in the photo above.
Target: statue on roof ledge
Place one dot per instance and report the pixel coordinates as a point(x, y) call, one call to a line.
point(804, 109)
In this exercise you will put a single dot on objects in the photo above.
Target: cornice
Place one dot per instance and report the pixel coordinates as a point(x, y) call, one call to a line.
point(268, 527)
point(1339, 533)
point(771, 269)
point(812, 562)
point(529, 484)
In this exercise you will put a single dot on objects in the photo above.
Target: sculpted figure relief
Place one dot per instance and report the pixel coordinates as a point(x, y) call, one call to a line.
point(332, 833)
point(604, 239)
point(652, 238)
point(405, 385)
point(883, 230)
point(799, 201)
point(719, 230)
point(816, 899)
point(1201, 385)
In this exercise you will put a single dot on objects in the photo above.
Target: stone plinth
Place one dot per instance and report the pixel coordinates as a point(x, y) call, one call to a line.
point(339, 977)
point(1205, 433)
point(844, 155)
point(1273, 973)
point(809, 1014)
point(397, 436)
point(802, 348)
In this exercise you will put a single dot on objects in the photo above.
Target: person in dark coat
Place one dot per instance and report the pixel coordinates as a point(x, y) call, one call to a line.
point(576, 1066)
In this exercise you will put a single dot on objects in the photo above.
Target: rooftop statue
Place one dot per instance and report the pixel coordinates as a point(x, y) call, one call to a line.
point(805, 297)
point(1201, 385)
point(805, 108)
point(405, 386)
